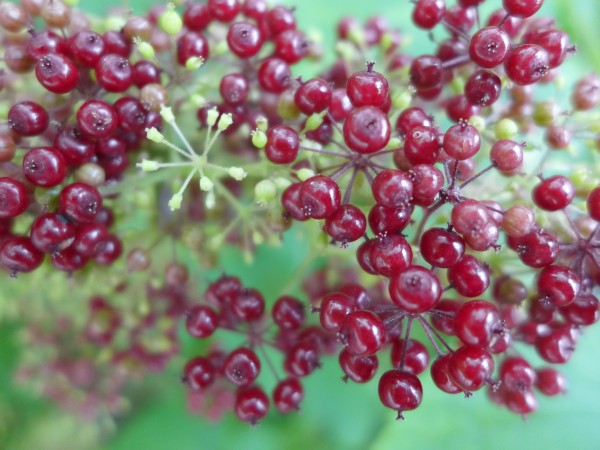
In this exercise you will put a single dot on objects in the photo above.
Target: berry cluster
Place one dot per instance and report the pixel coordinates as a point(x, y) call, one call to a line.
point(431, 187)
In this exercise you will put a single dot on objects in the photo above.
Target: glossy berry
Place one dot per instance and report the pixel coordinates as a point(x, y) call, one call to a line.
point(242, 366)
point(27, 118)
point(469, 276)
point(191, 45)
point(470, 367)
point(558, 284)
point(507, 155)
point(367, 88)
point(415, 289)
point(483, 88)
point(426, 72)
point(14, 198)
point(422, 145)
point(313, 96)
point(244, 39)
point(302, 359)
point(248, 305)
point(17, 254)
point(550, 381)
point(477, 322)
point(535, 249)
point(199, 373)
point(51, 232)
point(441, 248)
point(400, 391)
point(291, 46)
point(114, 73)
point(319, 197)
point(489, 47)
point(461, 141)
point(416, 356)
point(412, 117)
point(57, 73)
point(527, 64)
point(234, 88)
point(584, 310)
point(517, 374)
point(44, 166)
point(201, 321)
point(333, 310)
point(288, 313)
point(522, 8)
point(359, 369)
point(362, 333)
point(80, 202)
point(554, 193)
point(87, 47)
point(96, 119)
point(440, 374)
point(288, 395)
point(346, 224)
point(274, 75)
point(283, 144)
point(251, 404)
point(367, 129)
point(428, 13)
point(390, 254)
point(392, 188)
point(223, 10)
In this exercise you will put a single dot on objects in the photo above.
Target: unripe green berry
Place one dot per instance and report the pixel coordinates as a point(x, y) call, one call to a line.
point(145, 49)
point(477, 122)
point(265, 191)
point(170, 21)
point(259, 139)
point(305, 173)
point(506, 129)
point(545, 113)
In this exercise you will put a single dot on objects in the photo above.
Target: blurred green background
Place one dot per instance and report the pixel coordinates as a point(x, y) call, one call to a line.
point(334, 415)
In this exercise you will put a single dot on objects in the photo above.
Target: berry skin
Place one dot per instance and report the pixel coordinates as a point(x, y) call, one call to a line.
point(359, 369)
point(334, 309)
point(470, 367)
point(114, 73)
point(14, 198)
point(550, 381)
point(522, 8)
point(441, 248)
point(201, 321)
point(440, 374)
point(367, 130)
point(80, 202)
point(18, 254)
point(244, 39)
point(400, 391)
point(27, 118)
point(390, 254)
point(415, 289)
point(476, 323)
point(319, 197)
point(97, 119)
point(392, 188)
point(288, 395)
point(49, 232)
point(283, 144)
point(469, 276)
point(426, 72)
point(428, 13)
point(489, 47)
point(251, 404)
point(198, 373)
point(527, 64)
point(558, 284)
point(191, 45)
point(554, 193)
point(288, 313)
point(416, 357)
point(367, 88)
point(57, 73)
point(313, 96)
point(346, 224)
point(274, 75)
point(44, 166)
point(461, 141)
point(422, 145)
point(242, 366)
point(483, 88)
point(362, 333)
